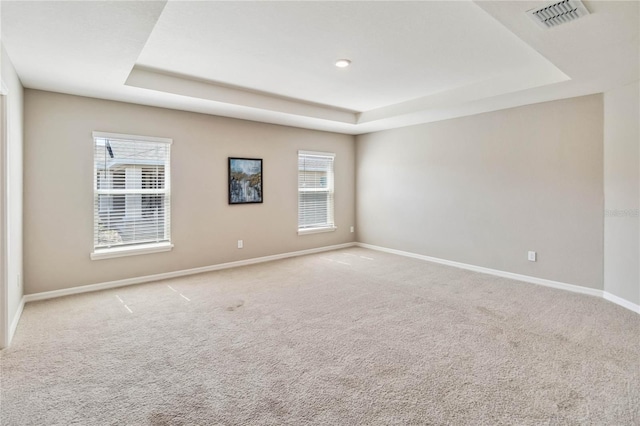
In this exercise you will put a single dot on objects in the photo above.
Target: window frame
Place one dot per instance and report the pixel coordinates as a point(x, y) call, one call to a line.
point(133, 249)
point(330, 226)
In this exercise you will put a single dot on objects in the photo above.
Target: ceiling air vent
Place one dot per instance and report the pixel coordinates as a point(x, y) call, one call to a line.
point(558, 13)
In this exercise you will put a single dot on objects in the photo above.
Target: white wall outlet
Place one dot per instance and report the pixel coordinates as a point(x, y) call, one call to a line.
point(532, 256)
point(240, 244)
point(352, 229)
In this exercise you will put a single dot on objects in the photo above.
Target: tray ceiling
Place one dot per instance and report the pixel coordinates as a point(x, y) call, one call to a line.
point(412, 62)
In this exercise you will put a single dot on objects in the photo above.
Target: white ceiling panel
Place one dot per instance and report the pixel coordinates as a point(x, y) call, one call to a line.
point(399, 50)
point(412, 62)
point(76, 44)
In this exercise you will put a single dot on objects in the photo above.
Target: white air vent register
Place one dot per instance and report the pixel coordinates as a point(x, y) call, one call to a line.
point(558, 13)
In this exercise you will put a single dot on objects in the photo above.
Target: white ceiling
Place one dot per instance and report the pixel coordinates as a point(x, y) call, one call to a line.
point(412, 62)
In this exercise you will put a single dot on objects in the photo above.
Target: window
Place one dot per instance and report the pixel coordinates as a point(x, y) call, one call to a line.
point(131, 196)
point(315, 192)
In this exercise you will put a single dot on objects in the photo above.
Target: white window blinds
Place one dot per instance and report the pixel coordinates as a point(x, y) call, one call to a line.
point(132, 196)
point(315, 190)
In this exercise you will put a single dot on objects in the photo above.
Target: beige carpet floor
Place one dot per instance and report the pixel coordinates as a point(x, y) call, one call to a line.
point(349, 337)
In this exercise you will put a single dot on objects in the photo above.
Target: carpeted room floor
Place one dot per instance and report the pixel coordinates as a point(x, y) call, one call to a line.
point(349, 337)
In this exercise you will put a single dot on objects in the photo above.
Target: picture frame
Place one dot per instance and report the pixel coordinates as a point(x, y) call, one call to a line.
point(245, 180)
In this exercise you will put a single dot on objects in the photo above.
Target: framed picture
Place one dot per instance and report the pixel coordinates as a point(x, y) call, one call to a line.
point(245, 180)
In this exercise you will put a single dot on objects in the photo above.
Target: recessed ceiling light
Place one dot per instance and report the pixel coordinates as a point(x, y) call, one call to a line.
point(343, 63)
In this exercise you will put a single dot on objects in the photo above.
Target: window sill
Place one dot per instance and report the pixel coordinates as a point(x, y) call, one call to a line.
point(130, 251)
point(306, 231)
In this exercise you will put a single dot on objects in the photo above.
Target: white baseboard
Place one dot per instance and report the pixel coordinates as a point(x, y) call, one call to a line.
point(16, 320)
point(526, 278)
point(622, 302)
point(139, 280)
point(496, 272)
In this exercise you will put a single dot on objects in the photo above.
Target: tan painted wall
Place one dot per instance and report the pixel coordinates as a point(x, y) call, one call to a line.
point(485, 189)
point(622, 192)
point(205, 229)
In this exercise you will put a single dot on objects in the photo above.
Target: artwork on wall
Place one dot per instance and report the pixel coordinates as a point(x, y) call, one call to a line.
point(245, 180)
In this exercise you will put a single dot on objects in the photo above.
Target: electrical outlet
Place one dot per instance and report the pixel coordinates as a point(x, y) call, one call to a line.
point(532, 256)
point(352, 229)
point(240, 244)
